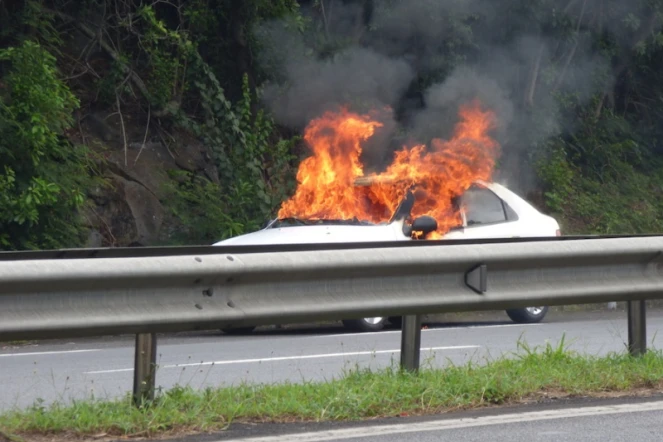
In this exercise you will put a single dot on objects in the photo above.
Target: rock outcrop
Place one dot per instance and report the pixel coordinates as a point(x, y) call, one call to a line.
point(130, 207)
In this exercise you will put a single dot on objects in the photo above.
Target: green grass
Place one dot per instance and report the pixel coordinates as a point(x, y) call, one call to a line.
point(528, 374)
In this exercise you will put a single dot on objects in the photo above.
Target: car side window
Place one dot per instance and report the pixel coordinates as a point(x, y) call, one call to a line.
point(483, 207)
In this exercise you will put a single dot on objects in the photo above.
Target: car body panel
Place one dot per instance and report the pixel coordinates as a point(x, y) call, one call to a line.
point(529, 223)
point(320, 234)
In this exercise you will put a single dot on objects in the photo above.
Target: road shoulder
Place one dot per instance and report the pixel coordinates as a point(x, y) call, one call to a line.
point(242, 431)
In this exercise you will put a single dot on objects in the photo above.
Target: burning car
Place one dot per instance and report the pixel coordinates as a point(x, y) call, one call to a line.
point(442, 189)
point(487, 210)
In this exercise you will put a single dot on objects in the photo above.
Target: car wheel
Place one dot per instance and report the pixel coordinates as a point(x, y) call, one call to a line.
point(527, 315)
point(365, 324)
point(238, 330)
point(396, 321)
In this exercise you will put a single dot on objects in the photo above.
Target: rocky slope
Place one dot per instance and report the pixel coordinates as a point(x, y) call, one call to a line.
point(130, 208)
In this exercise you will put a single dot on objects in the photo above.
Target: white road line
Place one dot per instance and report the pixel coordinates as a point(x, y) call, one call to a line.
point(288, 358)
point(340, 335)
point(451, 424)
point(39, 353)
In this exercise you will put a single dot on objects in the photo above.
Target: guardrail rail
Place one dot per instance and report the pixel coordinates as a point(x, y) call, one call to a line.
point(95, 292)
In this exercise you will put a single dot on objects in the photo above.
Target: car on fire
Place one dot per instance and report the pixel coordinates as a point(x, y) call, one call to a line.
point(487, 210)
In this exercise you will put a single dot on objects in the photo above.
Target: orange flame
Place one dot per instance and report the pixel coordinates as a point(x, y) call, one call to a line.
point(330, 181)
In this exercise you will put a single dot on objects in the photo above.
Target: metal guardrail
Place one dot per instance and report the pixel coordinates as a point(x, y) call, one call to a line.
point(137, 252)
point(219, 287)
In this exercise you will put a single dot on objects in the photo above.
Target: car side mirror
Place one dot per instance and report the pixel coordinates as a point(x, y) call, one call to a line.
point(422, 226)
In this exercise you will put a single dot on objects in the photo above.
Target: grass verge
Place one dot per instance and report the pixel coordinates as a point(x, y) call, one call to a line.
point(529, 374)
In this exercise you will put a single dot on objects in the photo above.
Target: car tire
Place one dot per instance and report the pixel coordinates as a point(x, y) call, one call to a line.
point(528, 315)
point(396, 321)
point(238, 330)
point(365, 324)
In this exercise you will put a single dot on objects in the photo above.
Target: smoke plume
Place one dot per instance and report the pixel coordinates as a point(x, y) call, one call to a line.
point(423, 58)
point(358, 76)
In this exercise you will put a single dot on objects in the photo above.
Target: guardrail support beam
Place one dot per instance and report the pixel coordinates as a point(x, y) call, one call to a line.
point(411, 343)
point(637, 327)
point(145, 368)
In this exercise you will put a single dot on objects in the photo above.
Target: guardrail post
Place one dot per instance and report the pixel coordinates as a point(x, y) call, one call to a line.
point(145, 368)
point(411, 342)
point(637, 327)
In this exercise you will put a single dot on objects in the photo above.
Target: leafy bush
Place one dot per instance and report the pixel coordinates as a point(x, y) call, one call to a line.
point(201, 215)
point(43, 177)
point(254, 169)
point(603, 180)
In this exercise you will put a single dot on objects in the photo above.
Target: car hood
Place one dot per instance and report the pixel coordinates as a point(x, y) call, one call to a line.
point(320, 234)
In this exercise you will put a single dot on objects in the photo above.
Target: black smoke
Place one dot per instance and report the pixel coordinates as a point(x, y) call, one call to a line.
point(424, 58)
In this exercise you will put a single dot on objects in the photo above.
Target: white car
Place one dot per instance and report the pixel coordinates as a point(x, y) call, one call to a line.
point(488, 210)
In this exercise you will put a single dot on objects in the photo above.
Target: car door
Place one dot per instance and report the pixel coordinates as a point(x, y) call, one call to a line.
point(485, 215)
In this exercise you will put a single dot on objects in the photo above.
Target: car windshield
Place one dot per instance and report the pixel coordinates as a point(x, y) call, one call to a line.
point(402, 212)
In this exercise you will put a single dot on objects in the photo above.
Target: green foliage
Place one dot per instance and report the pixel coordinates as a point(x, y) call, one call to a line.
point(160, 55)
point(43, 176)
point(202, 215)
point(224, 30)
point(168, 53)
point(112, 82)
point(254, 170)
point(603, 181)
point(41, 22)
point(266, 163)
point(253, 163)
point(18, 17)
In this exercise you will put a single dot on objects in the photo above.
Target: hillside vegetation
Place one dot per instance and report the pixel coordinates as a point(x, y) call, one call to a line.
point(126, 123)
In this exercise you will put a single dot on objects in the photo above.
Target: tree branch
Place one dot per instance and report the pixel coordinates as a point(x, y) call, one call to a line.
point(324, 18)
point(124, 133)
point(569, 5)
point(625, 59)
point(135, 79)
point(531, 88)
point(147, 130)
point(567, 62)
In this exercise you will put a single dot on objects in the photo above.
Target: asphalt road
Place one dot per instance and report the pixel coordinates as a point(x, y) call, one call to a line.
point(102, 368)
point(596, 421)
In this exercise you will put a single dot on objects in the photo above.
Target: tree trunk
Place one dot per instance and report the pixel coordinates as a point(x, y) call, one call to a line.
point(534, 77)
point(571, 54)
point(240, 42)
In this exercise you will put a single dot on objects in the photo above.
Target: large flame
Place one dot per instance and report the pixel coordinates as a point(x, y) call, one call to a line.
point(332, 184)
